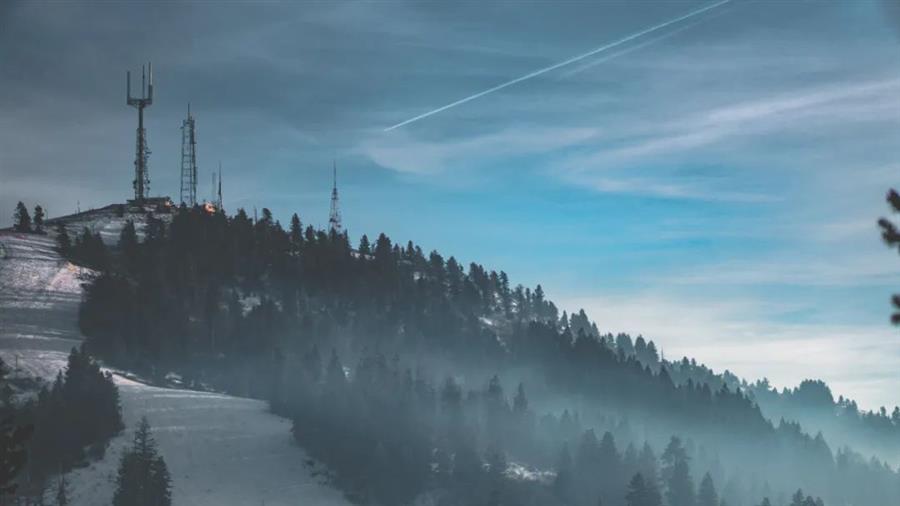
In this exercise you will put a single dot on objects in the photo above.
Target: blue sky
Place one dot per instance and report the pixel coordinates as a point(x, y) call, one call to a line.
point(713, 185)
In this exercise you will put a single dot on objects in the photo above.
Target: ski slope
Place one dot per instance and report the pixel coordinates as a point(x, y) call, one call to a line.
point(221, 450)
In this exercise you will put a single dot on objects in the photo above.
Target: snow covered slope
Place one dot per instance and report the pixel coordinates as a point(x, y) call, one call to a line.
point(107, 221)
point(221, 450)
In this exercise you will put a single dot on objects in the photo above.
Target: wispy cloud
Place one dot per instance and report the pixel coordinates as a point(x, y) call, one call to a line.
point(751, 338)
point(403, 152)
point(648, 156)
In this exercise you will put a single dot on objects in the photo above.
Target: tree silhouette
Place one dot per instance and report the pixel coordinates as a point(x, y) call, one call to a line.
point(63, 241)
point(13, 454)
point(891, 236)
point(641, 493)
point(21, 218)
point(38, 219)
point(706, 495)
point(143, 478)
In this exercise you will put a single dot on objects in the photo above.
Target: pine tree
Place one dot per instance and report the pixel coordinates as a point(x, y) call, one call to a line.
point(296, 234)
point(143, 478)
point(680, 487)
point(891, 236)
point(13, 454)
point(128, 243)
point(706, 495)
point(641, 493)
point(21, 219)
point(63, 242)
point(520, 402)
point(364, 247)
point(38, 219)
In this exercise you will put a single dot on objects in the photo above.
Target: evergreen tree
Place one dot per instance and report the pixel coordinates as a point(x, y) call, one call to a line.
point(647, 465)
point(520, 402)
point(364, 247)
point(891, 236)
point(63, 242)
point(21, 219)
point(143, 478)
point(128, 244)
point(13, 453)
point(680, 486)
point(706, 495)
point(641, 493)
point(296, 233)
point(38, 219)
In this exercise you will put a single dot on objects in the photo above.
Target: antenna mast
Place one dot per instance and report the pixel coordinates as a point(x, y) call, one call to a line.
point(219, 196)
point(334, 219)
point(188, 161)
point(142, 152)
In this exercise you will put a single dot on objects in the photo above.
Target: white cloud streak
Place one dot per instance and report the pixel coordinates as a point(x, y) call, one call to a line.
point(575, 59)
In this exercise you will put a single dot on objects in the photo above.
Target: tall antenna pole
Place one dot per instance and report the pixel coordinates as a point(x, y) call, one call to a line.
point(219, 199)
point(188, 160)
point(141, 181)
point(334, 219)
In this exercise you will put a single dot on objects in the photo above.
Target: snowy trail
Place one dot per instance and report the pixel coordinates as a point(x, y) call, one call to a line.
point(39, 296)
point(221, 450)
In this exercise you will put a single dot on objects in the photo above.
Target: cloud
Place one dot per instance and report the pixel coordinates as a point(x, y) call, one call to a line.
point(858, 269)
point(649, 157)
point(749, 337)
point(403, 152)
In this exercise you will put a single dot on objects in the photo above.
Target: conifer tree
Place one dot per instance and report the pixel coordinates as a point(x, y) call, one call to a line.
point(891, 236)
point(143, 478)
point(38, 219)
point(21, 219)
point(676, 475)
point(296, 234)
point(13, 454)
point(128, 243)
point(63, 241)
point(641, 493)
point(680, 487)
point(648, 465)
point(364, 247)
point(706, 495)
point(520, 402)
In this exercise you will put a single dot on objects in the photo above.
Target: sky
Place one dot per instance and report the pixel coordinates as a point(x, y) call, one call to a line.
point(713, 185)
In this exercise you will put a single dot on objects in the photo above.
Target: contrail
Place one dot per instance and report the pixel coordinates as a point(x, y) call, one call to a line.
point(561, 64)
point(636, 47)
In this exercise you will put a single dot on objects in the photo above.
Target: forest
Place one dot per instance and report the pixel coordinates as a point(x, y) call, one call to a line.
point(395, 365)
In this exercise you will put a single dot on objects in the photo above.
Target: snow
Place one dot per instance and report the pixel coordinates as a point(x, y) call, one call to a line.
point(519, 472)
point(107, 221)
point(221, 450)
point(249, 303)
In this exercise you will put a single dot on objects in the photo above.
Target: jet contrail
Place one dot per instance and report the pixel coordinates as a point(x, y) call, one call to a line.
point(636, 47)
point(561, 64)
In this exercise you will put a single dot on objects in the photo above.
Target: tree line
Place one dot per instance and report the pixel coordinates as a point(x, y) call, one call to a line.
point(238, 304)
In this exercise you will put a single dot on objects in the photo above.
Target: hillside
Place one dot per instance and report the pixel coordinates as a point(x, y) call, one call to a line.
point(254, 309)
point(220, 449)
